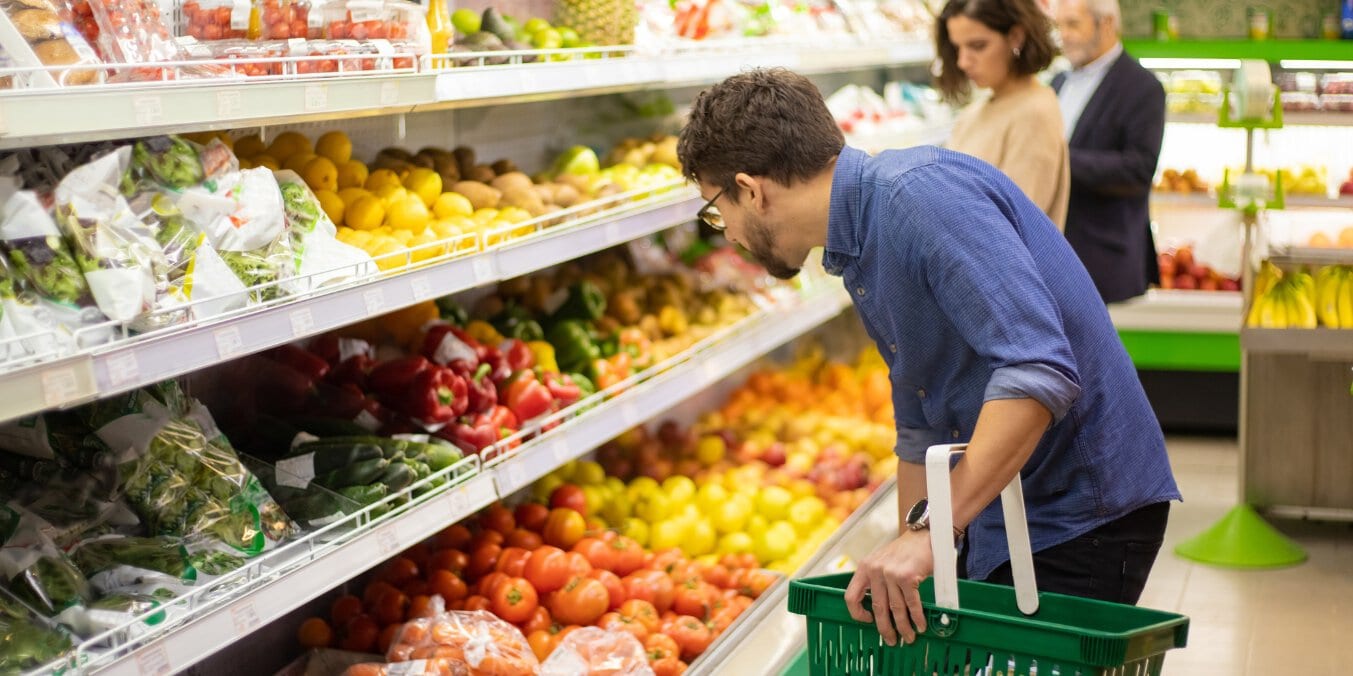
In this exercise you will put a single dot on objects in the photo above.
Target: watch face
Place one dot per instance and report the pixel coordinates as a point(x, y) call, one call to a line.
point(918, 516)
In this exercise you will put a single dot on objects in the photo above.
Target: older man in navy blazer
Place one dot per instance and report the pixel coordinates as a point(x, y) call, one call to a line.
point(1114, 112)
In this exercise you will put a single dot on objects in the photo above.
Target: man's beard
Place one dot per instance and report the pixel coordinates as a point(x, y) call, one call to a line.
point(760, 246)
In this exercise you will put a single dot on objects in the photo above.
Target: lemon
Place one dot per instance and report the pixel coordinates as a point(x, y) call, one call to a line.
point(735, 543)
point(637, 530)
point(367, 213)
point(710, 496)
point(352, 174)
point(483, 217)
point(408, 214)
point(700, 539)
point(336, 146)
point(266, 161)
point(350, 195)
point(514, 215)
point(403, 236)
point(391, 194)
point(667, 534)
point(776, 543)
point(681, 489)
point(450, 204)
point(618, 508)
point(710, 449)
point(425, 183)
point(381, 178)
point(288, 144)
point(773, 502)
point(640, 486)
point(590, 473)
point(320, 174)
point(445, 228)
point(595, 497)
point(332, 204)
point(298, 161)
point(806, 513)
point(250, 146)
point(653, 506)
point(424, 246)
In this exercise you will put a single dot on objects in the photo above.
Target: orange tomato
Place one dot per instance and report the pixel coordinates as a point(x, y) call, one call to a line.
point(581, 601)
point(420, 606)
point(315, 633)
point(374, 591)
point(386, 637)
point(360, 634)
point(452, 537)
point(643, 612)
point(668, 666)
point(617, 622)
point(512, 561)
point(691, 635)
point(398, 571)
point(453, 560)
point(448, 585)
point(547, 569)
point(531, 516)
point(651, 586)
point(615, 589)
point(526, 539)
point(490, 582)
point(498, 518)
point(715, 574)
point(345, 608)
point(661, 646)
point(540, 619)
point(514, 600)
point(564, 528)
point(597, 552)
point(627, 557)
point(484, 558)
point(483, 537)
point(477, 602)
point(390, 607)
point(542, 643)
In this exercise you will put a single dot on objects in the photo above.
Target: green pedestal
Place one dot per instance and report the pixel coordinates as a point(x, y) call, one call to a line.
point(1242, 539)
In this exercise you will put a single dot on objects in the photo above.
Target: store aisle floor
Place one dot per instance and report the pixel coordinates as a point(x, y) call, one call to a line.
point(1292, 621)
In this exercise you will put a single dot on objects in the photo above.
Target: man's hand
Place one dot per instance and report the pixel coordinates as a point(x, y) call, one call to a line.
point(892, 575)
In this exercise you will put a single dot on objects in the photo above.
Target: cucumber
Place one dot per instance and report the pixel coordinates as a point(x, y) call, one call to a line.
point(388, 446)
point(336, 457)
point(329, 427)
point(356, 474)
point(440, 457)
point(313, 507)
point(365, 495)
point(398, 476)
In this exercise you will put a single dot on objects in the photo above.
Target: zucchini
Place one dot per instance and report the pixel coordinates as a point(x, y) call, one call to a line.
point(329, 427)
point(398, 476)
point(365, 495)
point(356, 474)
point(333, 458)
point(440, 457)
point(387, 445)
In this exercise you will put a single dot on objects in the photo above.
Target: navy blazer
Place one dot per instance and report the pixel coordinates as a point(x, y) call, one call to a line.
point(1114, 150)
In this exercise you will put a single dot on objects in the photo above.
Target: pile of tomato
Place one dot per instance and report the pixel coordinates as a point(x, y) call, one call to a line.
point(546, 570)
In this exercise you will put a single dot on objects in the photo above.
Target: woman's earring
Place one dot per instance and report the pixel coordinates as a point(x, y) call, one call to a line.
point(1016, 51)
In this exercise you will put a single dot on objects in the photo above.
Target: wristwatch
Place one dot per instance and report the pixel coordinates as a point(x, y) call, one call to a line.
point(918, 518)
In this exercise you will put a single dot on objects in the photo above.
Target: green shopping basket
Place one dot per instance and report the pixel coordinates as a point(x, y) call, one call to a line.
point(997, 630)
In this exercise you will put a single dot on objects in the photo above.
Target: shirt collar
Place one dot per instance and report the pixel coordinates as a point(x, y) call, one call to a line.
point(843, 234)
point(1097, 67)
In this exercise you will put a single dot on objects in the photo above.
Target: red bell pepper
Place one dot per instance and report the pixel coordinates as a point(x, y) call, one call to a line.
point(470, 434)
point(394, 378)
point(519, 355)
point(449, 346)
point(565, 392)
point(302, 361)
point(352, 371)
point(528, 398)
point(436, 397)
point(334, 349)
point(335, 401)
point(483, 393)
point(505, 420)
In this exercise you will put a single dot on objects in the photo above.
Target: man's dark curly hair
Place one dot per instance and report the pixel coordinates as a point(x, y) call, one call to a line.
point(764, 122)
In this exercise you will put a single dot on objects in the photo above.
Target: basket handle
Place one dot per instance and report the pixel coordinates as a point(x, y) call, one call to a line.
point(937, 465)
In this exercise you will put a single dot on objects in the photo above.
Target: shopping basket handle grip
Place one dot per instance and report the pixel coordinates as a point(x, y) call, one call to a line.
point(937, 464)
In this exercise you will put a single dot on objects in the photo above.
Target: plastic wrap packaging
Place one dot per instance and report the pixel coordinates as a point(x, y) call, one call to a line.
point(399, 22)
point(27, 330)
point(478, 639)
point(54, 40)
point(116, 564)
point(27, 641)
point(135, 32)
point(597, 652)
point(432, 667)
point(34, 569)
point(43, 262)
point(290, 19)
point(320, 259)
point(215, 19)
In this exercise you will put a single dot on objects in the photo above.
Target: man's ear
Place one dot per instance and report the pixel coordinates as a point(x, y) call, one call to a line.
point(755, 190)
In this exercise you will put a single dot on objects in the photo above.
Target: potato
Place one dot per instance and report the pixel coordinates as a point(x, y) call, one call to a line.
point(566, 195)
point(514, 179)
point(524, 198)
point(481, 196)
point(482, 173)
point(504, 166)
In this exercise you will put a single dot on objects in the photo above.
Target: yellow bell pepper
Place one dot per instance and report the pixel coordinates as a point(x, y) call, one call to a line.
point(544, 353)
point(405, 326)
point(484, 332)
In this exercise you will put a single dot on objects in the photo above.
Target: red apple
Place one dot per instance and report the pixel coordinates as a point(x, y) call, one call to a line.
point(1166, 262)
point(1208, 284)
point(1166, 281)
point(1185, 282)
point(774, 455)
point(1184, 257)
point(1229, 285)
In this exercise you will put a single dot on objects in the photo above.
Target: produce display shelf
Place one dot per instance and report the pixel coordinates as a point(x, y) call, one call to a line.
point(928, 134)
point(1171, 330)
point(1321, 342)
point(30, 117)
point(1204, 200)
point(1267, 50)
point(257, 601)
point(141, 360)
point(1290, 118)
point(1312, 256)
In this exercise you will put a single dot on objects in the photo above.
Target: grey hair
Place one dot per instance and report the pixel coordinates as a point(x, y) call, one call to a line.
point(1106, 8)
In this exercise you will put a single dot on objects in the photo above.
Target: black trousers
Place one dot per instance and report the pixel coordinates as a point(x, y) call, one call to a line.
point(1110, 563)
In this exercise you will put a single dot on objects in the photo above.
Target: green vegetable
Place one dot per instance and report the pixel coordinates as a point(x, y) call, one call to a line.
point(452, 311)
point(26, 643)
point(50, 268)
point(356, 474)
point(211, 562)
point(51, 585)
point(254, 269)
point(440, 457)
point(574, 348)
point(516, 321)
point(169, 161)
point(161, 554)
point(365, 495)
point(398, 476)
point(302, 209)
point(585, 301)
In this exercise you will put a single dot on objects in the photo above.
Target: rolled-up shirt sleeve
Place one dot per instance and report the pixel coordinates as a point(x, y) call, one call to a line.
point(1035, 381)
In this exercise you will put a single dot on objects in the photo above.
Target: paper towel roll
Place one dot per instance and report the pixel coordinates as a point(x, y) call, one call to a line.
point(1253, 87)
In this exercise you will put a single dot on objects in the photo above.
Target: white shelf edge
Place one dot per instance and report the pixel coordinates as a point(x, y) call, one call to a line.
point(1205, 200)
point(137, 362)
point(211, 632)
point(1322, 342)
point(1180, 311)
point(1290, 118)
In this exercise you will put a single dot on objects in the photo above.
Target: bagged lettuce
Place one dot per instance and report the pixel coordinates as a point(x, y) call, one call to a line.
point(26, 640)
point(34, 569)
point(319, 258)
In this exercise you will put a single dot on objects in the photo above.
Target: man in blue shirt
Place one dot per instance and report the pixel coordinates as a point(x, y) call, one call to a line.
point(993, 332)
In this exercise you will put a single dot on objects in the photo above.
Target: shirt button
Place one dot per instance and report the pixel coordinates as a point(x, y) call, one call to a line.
point(859, 290)
point(920, 392)
point(892, 347)
point(954, 434)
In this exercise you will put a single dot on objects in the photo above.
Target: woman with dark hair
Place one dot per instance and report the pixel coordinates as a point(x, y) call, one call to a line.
point(1000, 45)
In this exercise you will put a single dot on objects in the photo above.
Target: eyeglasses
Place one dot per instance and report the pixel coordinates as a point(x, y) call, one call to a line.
point(710, 213)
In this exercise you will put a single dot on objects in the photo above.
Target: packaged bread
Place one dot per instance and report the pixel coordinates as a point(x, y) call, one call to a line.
point(53, 39)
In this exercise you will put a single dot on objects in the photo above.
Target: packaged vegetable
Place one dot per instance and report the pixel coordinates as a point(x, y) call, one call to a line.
point(73, 505)
point(117, 611)
point(433, 667)
point(43, 261)
point(215, 19)
point(485, 643)
point(289, 19)
point(135, 32)
point(117, 563)
point(34, 569)
point(26, 640)
point(27, 330)
point(320, 259)
point(597, 652)
point(241, 214)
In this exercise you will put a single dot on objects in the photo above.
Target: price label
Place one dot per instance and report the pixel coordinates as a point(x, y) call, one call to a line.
point(421, 288)
point(515, 473)
point(374, 300)
point(229, 343)
point(154, 661)
point(229, 103)
point(387, 540)
point(483, 269)
point(245, 617)
point(149, 110)
point(560, 451)
point(528, 81)
point(316, 97)
point(713, 373)
point(123, 369)
point(302, 322)
point(629, 413)
point(613, 234)
point(457, 503)
point(59, 386)
point(389, 93)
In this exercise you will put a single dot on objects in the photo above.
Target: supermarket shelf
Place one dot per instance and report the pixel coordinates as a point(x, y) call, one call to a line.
point(1290, 118)
point(45, 116)
point(1268, 50)
point(267, 597)
point(150, 358)
point(1180, 311)
point(1302, 255)
point(1204, 200)
point(1331, 343)
point(768, 637)
point(932, 134)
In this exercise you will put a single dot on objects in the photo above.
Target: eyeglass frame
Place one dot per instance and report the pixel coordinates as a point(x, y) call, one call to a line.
point(704, 213)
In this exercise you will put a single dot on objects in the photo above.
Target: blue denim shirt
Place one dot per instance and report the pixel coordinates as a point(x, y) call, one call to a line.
point(972, 295)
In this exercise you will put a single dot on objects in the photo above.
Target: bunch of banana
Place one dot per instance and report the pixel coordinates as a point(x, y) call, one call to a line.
point(1334, 296)
point(1289, 302)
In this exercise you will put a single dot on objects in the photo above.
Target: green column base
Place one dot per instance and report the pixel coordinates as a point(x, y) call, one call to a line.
point(1242, 539)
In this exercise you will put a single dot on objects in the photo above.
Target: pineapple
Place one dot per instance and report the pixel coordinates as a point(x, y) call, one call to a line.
point(601, 22)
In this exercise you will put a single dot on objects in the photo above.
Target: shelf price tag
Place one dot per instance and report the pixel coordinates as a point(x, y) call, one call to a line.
point(316, 97)
point(149, 110)
point(560, 452)
point(389, 93)
point(421, 288)
point(229, 103)
point(629, 413)
point(613, 233)
point(483, 269)
point(153, 661)
point(302, 322)
point(123, 369)
point(59, 386)
point(387, 540)
point(713, 373)
point(374, 300)
point(515, 477)
point(229, 343)
point(245, 617)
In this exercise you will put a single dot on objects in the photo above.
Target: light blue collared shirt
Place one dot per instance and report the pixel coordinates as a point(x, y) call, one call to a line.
point(1081, 84)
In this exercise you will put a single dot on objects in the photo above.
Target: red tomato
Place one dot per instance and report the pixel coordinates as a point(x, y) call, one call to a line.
point(564, 527)
point(542, 643)
point(398, 571)
point(514, 600)
point(512, 561)
point(651, 586)
point(643, 612)
point(478, 603)
point(627, 557)
point(486, 537)
point(484, 558)
point(618, 622)
point(531, 516)
point(539, 620)
point(453, 560)
point(419, 607)
point(448, 585)
point(597, 553)
point(489, 583)
point(756, 582)
point(547, 569)
point(691, 635)
point(661, 646)
point(498, 518)
point(374, 590)
point(692, 598)
point(526, 539)
point(577, 564)
point(580, 602)
point(668, 666)
point(452, 537)
point(615, 589)
point(716, 574)
point(344, 608)
point(360, 634)
point(569, 496)
point(666, 560)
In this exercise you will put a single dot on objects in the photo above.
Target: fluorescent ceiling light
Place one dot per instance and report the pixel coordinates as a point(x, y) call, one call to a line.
point(1191, 64)
point(1308, 64)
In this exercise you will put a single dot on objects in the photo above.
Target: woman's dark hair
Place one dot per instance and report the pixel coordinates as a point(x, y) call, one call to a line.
point(1002, 16)
point(764, 122)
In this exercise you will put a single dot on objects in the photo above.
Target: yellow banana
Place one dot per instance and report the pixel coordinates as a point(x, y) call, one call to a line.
point(1304, 284)
point(1269, 274)
point(1268, 310)
point(1327, 283)
point(1345, 300)
point(1254, 318)
point(1302, 312)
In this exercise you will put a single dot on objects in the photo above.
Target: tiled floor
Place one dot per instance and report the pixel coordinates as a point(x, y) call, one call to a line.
point(1297, 620)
